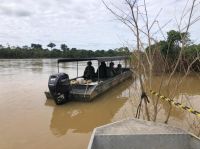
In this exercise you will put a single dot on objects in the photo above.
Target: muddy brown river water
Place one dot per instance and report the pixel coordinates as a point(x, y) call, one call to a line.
point(28, 120)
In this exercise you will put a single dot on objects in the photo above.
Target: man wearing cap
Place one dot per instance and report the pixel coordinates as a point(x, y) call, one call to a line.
point(89, 72)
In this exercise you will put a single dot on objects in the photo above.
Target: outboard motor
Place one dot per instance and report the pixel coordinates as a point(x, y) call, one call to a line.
point(59, 87)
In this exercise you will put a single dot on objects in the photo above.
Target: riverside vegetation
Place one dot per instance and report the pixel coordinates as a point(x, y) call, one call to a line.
point(37, 51)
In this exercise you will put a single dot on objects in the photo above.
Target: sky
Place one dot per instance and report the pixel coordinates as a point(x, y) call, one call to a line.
point(83, 24)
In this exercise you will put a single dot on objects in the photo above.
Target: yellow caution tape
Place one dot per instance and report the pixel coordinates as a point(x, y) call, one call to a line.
point(179, 105)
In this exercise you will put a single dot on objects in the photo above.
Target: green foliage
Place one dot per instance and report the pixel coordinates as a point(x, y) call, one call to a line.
point(64, 47)
point(36, 51)
point(51, 45)
point(171, 47)
point(174, 38)
point(169, 51)
point(35, 46)
point(192, 51)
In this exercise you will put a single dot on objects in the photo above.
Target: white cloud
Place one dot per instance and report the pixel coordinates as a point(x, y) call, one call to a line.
point(79, 23)
point(11, 9)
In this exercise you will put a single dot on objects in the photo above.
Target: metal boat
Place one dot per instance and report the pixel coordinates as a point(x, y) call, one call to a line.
point(63, 89)
point(139, 134)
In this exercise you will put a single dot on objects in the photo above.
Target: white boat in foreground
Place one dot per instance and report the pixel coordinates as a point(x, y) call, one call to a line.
point(139, 134)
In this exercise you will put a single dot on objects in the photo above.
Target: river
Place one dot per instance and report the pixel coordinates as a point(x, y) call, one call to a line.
point(29, 120)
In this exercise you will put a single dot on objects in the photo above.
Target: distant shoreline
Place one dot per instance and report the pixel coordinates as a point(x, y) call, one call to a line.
point(39, 53)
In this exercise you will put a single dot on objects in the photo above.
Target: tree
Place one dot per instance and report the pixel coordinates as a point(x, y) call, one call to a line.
point(25, 47)
point(51, 45)
point(36, 51)
point(130, 17)
point(122, 51)
point(36, 46)
point(74, 49)
point(64, 47)
point(55, 53)
point(134, 15)
point(1, 46)
point(65, 50)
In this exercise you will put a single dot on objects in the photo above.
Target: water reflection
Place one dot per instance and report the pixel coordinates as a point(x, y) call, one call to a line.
point(80, 117)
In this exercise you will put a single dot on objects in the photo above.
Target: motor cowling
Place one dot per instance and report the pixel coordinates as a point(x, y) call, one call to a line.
point(59, 87)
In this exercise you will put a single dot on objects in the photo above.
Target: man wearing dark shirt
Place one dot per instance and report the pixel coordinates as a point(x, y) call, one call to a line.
point(89, 72)
point(102, 70)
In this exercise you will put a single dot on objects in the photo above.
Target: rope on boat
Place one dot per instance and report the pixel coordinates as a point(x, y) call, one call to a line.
point(179, 105)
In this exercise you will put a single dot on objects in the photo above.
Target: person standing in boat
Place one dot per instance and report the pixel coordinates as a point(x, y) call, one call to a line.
point(89, 72)
point(111, 70)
